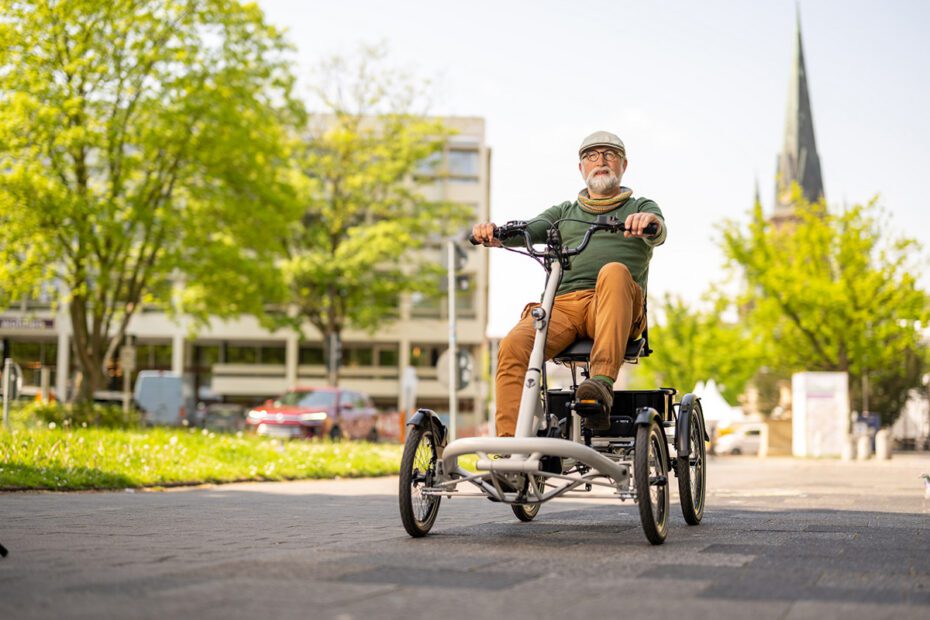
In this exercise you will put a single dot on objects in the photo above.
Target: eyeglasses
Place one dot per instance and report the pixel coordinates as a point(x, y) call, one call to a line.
point(609, 155)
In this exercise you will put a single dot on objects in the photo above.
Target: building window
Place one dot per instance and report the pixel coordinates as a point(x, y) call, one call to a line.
point(153, 356)
point(357, 356)
point(425, 306)
point(206, 356)
point(272, 354)
point(387, 357)
point(463, 165)
point(311, 355)
point(237, 354)
point(429, 166)
point(426, 355)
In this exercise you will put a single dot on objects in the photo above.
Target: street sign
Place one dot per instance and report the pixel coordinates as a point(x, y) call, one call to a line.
point(127, 358)
point(12, 378)
point(463, 371)
point(12, 383)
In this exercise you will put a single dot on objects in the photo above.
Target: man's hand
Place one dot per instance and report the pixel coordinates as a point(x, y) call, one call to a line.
point(636, 223)
point(485, 234)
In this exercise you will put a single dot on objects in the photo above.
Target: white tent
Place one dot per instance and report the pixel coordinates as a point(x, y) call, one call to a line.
point(716, 409)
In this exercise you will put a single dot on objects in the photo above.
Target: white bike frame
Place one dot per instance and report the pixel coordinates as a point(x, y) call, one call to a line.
point(523, 453)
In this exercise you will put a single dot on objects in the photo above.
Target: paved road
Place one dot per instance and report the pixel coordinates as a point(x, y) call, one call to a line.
point(781, 539)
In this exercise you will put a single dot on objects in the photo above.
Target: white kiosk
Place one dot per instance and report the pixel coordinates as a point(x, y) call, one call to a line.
point(820, 413)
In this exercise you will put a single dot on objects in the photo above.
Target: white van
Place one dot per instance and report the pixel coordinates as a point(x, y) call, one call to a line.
point(158, 395)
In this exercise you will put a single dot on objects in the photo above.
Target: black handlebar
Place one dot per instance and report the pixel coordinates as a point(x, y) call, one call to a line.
point(603, 222)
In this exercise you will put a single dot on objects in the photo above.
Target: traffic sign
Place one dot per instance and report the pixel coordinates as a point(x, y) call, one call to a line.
point(464, 369)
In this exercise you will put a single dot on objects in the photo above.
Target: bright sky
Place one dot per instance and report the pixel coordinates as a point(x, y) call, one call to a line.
point(697, 91)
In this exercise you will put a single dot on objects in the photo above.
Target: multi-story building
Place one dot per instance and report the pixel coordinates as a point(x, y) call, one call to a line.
point(240, 361)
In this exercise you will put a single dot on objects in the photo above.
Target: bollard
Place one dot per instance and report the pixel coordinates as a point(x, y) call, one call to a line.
point(45, 380)
point(883, 445)
point(7, 388)
point(849, 449)
point(864, 447)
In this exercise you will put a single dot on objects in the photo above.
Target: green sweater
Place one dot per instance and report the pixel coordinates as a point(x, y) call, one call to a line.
point(604, 247)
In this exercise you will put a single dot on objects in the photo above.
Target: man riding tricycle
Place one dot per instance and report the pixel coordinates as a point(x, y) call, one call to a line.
point(592, 317)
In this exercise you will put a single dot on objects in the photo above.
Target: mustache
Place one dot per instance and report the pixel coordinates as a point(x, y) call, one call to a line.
point(606, 169)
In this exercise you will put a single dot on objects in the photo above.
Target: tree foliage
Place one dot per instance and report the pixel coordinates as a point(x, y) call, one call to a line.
point(692, 345)
point(139, 141)
point(367, 217)
point(834, 290)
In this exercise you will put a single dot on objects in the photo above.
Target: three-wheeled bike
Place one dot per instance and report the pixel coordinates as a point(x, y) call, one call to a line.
point(554, 452)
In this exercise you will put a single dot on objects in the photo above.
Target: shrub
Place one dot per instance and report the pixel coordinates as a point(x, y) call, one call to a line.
point(84, 414)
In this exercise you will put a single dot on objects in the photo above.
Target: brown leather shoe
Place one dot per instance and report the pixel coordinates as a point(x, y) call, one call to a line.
point(594, 390)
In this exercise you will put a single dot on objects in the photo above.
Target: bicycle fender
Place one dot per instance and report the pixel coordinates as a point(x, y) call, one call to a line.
point(682, 433)
point(424, 418)
point(645, 415)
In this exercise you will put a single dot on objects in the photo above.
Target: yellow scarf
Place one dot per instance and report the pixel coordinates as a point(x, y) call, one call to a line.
point(603, 205)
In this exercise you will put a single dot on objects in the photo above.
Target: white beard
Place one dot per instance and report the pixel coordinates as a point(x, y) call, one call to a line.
point(602, 183)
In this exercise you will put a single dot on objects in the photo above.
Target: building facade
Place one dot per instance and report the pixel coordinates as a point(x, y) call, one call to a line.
point(240, 361)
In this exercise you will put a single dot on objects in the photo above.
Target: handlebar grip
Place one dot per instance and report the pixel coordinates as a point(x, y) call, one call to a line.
point(472, 240)
point(652, 229)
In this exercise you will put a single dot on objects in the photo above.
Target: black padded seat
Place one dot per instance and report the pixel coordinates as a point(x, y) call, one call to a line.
point(580, 350)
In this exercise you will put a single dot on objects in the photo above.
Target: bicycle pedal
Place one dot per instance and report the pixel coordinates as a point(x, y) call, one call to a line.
point(588, 408)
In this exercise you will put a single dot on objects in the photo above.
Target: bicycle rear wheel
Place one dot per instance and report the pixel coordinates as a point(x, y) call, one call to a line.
point(692, 471)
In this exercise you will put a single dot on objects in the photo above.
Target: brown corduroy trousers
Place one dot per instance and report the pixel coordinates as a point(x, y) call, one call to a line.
point(608, 314)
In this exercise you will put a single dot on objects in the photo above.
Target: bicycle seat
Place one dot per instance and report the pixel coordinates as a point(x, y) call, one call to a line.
point(580, 351)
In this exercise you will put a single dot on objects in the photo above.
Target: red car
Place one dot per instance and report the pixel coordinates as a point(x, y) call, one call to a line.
point(316, 412)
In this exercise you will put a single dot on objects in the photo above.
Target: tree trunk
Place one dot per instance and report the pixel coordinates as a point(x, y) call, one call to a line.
point(332, 370)
point(89, 354)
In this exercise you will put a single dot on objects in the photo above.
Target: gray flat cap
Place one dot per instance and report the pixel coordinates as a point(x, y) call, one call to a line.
point(602, 138)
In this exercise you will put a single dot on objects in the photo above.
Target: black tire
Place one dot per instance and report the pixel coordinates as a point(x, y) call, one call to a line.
point(650, 473)
point(692, 472)
point(525, 512)
point(417, 470)
point(528, 512)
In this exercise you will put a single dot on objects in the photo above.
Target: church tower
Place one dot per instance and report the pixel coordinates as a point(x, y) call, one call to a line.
point(798, 161)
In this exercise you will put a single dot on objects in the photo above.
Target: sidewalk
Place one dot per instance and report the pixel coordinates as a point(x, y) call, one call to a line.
point(781, 539)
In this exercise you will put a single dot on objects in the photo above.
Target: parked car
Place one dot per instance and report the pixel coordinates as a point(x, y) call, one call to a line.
point(741, 440)
point(225, 417)
point(316, 412)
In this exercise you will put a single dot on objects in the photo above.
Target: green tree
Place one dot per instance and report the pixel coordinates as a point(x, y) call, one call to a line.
point(142, 152)
point(369, 155)
point(694, 345)
point(834, 291)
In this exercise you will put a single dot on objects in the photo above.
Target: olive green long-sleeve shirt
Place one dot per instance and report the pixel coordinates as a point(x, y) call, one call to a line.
point(604, 247)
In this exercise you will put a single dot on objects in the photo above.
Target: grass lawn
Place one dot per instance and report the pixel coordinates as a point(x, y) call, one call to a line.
point(91, 458)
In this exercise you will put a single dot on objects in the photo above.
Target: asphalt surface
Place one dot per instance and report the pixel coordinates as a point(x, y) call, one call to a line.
point(781, 538)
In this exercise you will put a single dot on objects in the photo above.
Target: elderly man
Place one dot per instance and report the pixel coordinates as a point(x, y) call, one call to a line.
point(601, 296)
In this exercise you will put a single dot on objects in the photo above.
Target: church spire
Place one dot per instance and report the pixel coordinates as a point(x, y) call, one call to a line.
point(798, 161)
